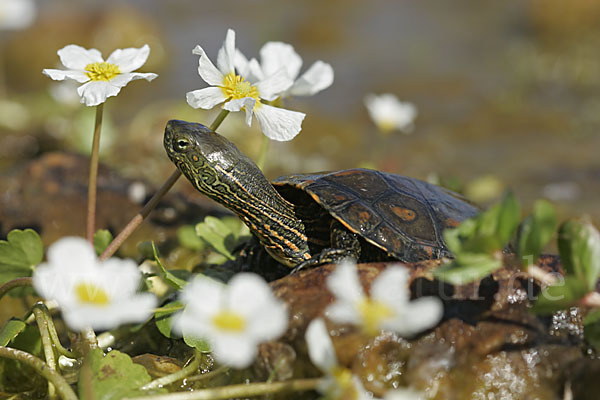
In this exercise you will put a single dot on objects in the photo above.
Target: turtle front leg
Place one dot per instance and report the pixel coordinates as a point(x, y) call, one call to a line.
point(344, 244)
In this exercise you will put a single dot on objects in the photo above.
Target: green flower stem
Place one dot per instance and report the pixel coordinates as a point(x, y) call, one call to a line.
point(52, 331)
point(62, 386)
point(42, 323)
point(262, 155)
point(145, 211)
point(15, 283)
point(241, 390)
point(209, 375)
point(218, 120)
point(177, 376)
point(93, 179)
point(89, 338)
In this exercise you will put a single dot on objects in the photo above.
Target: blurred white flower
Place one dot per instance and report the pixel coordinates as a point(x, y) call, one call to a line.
point(338, 382)
point(91, 293)
point(403, 394)
point(234, 318)
point(388, 307)
point(240, 94)
point(101, 79)
point(275, 56)
point(389, 113)
point(17, 14)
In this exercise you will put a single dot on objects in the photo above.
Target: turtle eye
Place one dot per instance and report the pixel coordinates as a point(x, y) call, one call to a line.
point(181, 144)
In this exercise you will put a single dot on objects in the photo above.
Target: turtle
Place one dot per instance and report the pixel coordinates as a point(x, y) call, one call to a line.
point(318, 218)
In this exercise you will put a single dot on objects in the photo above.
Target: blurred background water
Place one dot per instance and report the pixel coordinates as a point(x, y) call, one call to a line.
point(507, 92)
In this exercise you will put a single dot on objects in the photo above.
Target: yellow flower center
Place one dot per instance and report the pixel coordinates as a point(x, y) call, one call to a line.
point(235, 87)
point(345, 386)
point(386, 126)
point(372, 313)
point(229, 321)
point(102, 71)
point(92, 294)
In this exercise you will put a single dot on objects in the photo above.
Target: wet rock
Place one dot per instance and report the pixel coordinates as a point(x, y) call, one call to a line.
point(49, 194)
point(488, 344)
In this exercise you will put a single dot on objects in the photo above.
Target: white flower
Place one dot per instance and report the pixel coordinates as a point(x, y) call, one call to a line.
point(275, 56)
point(91, 293)
point(101, 79)
point(389, 113)
point(234, 318)
point(389, 306)
point(16, 14)
point(240, 94)
point(338, 382)
point(403, 394)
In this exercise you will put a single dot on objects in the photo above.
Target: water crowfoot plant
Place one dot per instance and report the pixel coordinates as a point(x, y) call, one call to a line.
point(101, 79)
point(387, 308)
point(231, 88)
point(234, 318)
point(389, 113)
point(91, 293)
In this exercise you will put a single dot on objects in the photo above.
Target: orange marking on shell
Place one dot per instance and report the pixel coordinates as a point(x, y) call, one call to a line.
point(405, 213)
point(451, 222)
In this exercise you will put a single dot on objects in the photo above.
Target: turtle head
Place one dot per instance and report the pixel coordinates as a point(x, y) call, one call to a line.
point(207, 159)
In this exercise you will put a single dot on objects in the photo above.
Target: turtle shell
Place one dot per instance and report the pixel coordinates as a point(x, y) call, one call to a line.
point(403, 216)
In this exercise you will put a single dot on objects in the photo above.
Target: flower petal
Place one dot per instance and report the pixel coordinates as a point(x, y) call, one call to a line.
point(234, 350)
point(391, 287)
point(277, 55)
point(72, 253)
point(129, 59)
point(342, 312)
point(73, 56)
point(320, 347)
point(60, 75)
point(226, 55)
point(123, 79)
point(95, 92)
point(344, 283)
point(318, 77)
point(203, 295)
point(278, 123)
point(205, 98)
point(207, 70)
point(246, 103)
point(419, 315)
point(121, 277)
point(273, 85)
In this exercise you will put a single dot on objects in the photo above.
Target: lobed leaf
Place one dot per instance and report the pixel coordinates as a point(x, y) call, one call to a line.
point(10, 330)
point(170, 278)
point(21, 252)
point(467, 267)
point(579, 248)
point(114, 376)
point(163, 317)
point(102, 239)
point(535, 231)
point(560, 296)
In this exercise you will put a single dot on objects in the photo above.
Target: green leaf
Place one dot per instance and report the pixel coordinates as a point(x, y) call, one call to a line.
point(215, 233)
point(591, 328)
point(188, 238)
point(535, 231)
point(488, 232)
point(171, 279)
point(15, 376)
point(579, 248)
point(560, 296)
point(467, 267)
point(20, 254)
point(114, 376)
point(102, 239)
point(11, 330)
point(198, 343)
point(163, 317)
